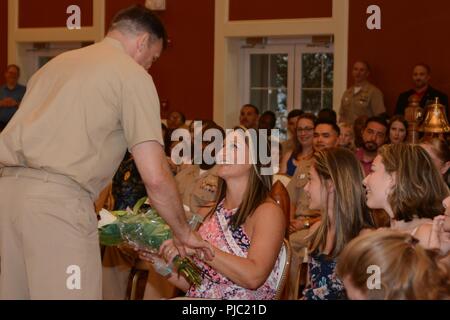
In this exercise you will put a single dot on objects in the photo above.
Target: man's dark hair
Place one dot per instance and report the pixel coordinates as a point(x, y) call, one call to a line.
point(328, 114)
point(13, 66)
point(138, 18)
point(182, 116)
point(423, 65)
point(377, 119)
point(251, 106)
point(273, 118)
point(364, 62)
point(295, 113)
point(330, 123)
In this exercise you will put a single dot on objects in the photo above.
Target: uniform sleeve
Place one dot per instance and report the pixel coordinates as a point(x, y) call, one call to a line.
point(292, 189)
point(141, 119)
point(377, 103)
point(342, 108)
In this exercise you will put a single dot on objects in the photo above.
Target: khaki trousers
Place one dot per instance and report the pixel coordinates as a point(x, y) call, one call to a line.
point(299, 246)
point(49, 245)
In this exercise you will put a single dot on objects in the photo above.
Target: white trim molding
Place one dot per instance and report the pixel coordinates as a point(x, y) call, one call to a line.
point(18, 35)
point(228, 35)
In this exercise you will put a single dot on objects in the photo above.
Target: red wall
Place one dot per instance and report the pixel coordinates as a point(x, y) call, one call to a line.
point(411, 31)
point(281, 9)
point(51, 13)
point(3, 38)
point(184, 73)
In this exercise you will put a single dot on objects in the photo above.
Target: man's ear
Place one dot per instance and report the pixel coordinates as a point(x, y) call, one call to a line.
point(445, 167)
point(142, 41)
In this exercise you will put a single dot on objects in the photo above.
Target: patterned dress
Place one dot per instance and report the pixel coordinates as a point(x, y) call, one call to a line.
point(324, 284)
point(216, 230)
point(127, 187)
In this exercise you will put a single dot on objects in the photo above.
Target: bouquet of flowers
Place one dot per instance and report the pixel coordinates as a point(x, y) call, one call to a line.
point(146, 230)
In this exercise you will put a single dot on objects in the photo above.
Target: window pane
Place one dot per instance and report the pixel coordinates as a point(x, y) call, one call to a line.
point(328, 64)
point(311, 70)
point(278, 70)
point(259, 98)
point(327, 99)
point(311, 101)
point(278, 104)
point(259, 70)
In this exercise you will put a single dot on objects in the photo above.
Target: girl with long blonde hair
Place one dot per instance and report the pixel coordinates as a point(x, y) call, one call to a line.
point(335, 187)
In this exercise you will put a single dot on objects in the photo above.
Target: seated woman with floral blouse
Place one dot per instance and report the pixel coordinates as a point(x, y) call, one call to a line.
point(245, 230)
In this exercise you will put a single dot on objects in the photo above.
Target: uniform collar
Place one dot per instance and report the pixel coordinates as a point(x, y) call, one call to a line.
point(363, 85)
point(115, 43)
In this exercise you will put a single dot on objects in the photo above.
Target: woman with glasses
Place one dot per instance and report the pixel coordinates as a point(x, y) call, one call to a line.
point(303, 145)
point(302, 158)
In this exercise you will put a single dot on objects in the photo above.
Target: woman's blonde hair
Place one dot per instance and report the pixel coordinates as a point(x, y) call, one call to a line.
point(419, 188)
point(406, 270)
point(258, 187)
point(350, 211)
point(440, 148)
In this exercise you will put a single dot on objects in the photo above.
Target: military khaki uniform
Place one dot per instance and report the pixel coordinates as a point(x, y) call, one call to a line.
point(81, 112)
point(197, 189)
point(367, 101)
point(300, 200)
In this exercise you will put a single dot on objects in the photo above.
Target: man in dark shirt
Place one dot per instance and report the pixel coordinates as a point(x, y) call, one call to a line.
point(11, 94)
point(422, 89)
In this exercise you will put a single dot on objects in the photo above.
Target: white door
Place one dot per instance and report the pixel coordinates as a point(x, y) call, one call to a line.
point(281, 78)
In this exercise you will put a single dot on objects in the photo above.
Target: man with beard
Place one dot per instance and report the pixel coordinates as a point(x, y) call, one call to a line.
point(422, 90)
point(374, 136)
point(249, 116)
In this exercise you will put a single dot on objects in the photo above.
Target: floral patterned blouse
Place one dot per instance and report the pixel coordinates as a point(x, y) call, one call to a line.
point(217, 231)
point(324, 284)
point(128, 186)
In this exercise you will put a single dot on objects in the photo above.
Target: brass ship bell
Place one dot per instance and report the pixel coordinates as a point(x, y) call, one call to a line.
point(435, 119)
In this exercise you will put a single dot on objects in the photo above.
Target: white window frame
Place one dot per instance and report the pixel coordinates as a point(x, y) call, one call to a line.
point(294, 51)
point(299, 50)
point(272, 49)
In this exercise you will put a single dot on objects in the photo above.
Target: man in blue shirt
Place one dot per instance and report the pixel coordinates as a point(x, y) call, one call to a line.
point(11, 95)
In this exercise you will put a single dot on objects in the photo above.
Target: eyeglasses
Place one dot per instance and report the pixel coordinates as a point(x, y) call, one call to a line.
point(305, 129)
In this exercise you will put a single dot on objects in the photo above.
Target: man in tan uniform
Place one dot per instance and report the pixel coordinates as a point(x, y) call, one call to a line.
point(363, 98)
point(197, 187)
point(81, 112)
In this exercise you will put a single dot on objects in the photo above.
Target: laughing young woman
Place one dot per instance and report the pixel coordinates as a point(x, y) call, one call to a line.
point(245, 231)
point(406, 184)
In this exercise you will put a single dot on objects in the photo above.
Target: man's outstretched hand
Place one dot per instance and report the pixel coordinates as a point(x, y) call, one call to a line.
point(192, 240)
